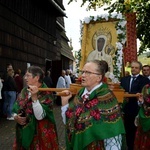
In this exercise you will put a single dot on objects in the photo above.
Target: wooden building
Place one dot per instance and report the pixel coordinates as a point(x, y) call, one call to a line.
point(32, 32)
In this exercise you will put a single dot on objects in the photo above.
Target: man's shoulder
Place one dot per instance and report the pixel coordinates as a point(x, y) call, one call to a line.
point(126, 78)
point(60, 78)
point(141, 77)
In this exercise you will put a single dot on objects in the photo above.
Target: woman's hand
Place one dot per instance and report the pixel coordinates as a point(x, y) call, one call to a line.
point(65, 99)
point(20, 120)
point(33, 90)
point(140, 98)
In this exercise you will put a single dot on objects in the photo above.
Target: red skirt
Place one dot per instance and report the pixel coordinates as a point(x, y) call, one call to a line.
point(44, 139)
point(142, 140)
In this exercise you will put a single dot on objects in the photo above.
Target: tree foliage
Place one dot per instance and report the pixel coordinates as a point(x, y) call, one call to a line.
point(142, 9)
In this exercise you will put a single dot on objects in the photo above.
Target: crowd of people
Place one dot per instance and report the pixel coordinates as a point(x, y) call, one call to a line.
point(12, 82)
point(93, 118)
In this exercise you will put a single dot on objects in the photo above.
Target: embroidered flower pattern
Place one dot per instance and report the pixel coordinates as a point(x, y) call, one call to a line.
point(91, 103)
point(95, 114)
point(147, 99)
point(83, 114)
point(146, 105)
point(25, 102)
point(79, 110)
point(69, 113)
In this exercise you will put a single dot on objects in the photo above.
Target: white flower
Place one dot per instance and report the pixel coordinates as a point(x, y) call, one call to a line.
point(122, 23)
point(113, 15)
point(111, 75)
point(115, 80)
point(119, 16)
point(105, 16)
point(81, 25)
point(119, 45)
point(120, 52)
point(119, 31)
point(87, 20)
point(95, 18)
point(123, 41)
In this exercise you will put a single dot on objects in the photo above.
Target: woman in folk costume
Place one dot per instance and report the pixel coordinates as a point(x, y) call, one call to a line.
point(93, 119)
point(142, 140)
point(35, 128)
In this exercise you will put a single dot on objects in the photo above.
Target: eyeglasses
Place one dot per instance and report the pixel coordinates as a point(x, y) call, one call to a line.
point(27, 75)
point(88, 72)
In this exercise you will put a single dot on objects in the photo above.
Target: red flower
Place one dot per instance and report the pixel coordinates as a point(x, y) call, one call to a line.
point(29, 104)
point(69, 113)
point(104, 80)
point(92, 103)
point(79, 126)
point(88, 105)
point(29, 111)
point(112, 117)
point(148, 99)
point(78, 111)
point(21, 103)
point(147, 85)
point(95, 114)
point(47, 101)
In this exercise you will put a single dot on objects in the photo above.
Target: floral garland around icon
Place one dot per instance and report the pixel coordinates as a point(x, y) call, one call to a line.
point(121, 35)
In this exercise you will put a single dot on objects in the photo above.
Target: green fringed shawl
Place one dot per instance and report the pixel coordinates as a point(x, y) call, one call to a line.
point(25, 134)
point(144, 113)
point(144, 120)
point(105, 123)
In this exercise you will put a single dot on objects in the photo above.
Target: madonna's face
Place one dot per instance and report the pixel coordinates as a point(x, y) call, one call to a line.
point(100, 44)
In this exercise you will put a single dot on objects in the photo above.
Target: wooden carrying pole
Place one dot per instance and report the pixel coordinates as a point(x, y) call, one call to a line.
point(74, 88)
point(59, 91)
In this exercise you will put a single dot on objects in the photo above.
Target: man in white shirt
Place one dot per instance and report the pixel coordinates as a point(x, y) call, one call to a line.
point(67, 78)
point(61, 83)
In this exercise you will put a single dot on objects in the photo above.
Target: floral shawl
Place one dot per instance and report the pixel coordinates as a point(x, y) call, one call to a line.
point(96, 119)
point(36, 134)
point(144, 113)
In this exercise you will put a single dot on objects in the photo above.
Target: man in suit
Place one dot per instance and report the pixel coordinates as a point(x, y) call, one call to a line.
point(132, 84)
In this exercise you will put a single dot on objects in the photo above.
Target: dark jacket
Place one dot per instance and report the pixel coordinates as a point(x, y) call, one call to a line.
point(9, 84)
point(48, 81)
point(131, 106)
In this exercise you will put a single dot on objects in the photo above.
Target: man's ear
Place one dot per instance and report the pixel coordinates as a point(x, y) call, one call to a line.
point(37, 78)
point(99, 78)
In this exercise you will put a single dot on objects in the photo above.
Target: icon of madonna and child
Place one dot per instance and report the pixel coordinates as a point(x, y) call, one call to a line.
point(103, 49)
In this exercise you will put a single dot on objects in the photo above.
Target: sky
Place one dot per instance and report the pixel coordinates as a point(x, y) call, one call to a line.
point(74, 14)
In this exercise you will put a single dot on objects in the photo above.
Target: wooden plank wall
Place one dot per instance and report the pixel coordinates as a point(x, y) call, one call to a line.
point(25, 36)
